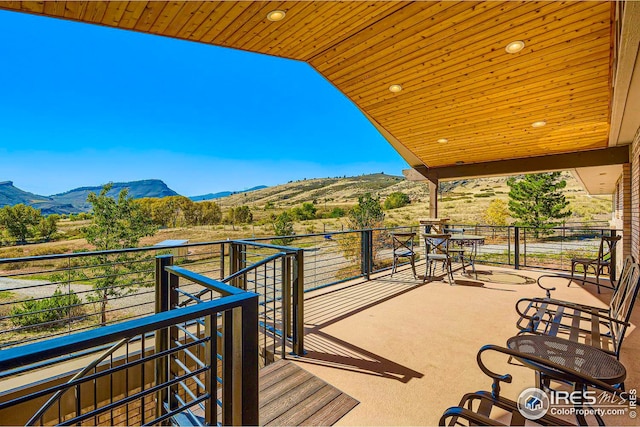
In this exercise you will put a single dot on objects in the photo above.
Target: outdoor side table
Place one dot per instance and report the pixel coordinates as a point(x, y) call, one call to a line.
point(587, 360)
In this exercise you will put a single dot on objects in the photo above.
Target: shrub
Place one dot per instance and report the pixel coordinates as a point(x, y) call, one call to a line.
point(53, 311)
point(396, 200)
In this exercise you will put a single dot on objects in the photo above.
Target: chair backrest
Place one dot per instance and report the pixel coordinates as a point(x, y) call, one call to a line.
point(437, 243)
point(623, 299)
point(402, 242)
point(606, 246)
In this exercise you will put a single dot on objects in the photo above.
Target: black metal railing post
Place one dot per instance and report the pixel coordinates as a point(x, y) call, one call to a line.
point(509, 245)
point(298, 303)
point(286, 296)
point(516, 249)
point(222, 255)
point(211, 359)
point(366, 253)
point(163, 303)
point(614, 258)
point(249, 397)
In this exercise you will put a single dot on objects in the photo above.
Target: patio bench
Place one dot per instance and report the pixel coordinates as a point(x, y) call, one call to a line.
point(602, 328)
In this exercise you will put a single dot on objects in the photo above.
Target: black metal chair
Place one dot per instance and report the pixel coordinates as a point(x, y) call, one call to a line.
point(403, 248)
point(457, 249)
point(599, 264)
point(437, 250)
point(484, 408)
point(603, 328)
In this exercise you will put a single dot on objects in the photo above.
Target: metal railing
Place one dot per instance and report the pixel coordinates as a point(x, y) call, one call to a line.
point(209, 376)
point(536, 247)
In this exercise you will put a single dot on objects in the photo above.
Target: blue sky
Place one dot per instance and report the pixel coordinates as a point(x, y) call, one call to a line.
point(84, 105)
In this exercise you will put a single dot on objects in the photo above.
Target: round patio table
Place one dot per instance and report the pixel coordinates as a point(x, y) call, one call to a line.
point(582, 358)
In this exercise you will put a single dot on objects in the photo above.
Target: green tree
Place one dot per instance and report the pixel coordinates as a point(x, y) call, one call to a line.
point(283, 226)
point(337, 213)
point(367, 214)
point(19, 221)
point(243, 215)
point(211, 213)
point(306, 212)
point(497, 213)
point(537, 200)
point(396, 200)
point(116, 224)
point(48, 227)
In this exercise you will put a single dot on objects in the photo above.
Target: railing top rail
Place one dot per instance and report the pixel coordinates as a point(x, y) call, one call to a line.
point(254, 266)
point(109, 252)
point(201, 280)
point(31, 353)
point(254, 242)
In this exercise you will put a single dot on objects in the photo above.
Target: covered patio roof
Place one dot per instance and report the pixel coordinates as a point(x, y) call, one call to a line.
point(459, 85)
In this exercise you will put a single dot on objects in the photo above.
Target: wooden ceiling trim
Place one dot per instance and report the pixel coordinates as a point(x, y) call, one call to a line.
point(114, 12)
point(55, 8)
point(585, 107)
point(199, 19)
point(299, 16)
point(350, 26)
point(166, 16)
point(75, 9)
point(265, 29)
point(326, 23)
point(253, 15)
point(259, 26)
point(94, 11)
point(416, 35)
point(557, 84)
point(482, 35)
point(586, 138)
point(517, 137)
point(608, 156)
point(229, 18)
point(151, 13)
point(33, 6)
point(584, 88)
point(220, 10)
point(131, 14)
point(181, 19)
point(213, 22)
point(414, 17)
point(468, 62)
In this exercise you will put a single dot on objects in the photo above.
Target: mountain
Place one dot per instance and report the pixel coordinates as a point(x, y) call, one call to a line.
point(137, 190)
point(75, 200)
point(11, 195)
point(211, 196)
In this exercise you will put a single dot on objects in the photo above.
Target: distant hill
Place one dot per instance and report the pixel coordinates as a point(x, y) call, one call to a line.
point(75, 200)
point(212, 196)
point(11, 195)
point(137, 190)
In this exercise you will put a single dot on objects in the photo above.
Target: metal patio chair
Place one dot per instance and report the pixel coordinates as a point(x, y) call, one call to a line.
point(484, 408)
point(437, 250)
point(599, 264)
point(403, 248)
point(457, 249)
point(603, 328)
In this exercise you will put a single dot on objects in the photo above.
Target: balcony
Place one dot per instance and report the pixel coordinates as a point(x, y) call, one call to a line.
point(403, 348)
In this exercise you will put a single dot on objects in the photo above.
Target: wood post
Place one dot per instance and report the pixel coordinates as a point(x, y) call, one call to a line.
point(433, 198)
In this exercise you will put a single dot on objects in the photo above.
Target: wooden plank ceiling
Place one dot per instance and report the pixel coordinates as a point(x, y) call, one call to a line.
point(449, 57)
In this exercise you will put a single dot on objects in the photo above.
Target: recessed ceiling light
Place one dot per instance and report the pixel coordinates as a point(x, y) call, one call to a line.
point(538, 124)
point(515, 46)
point(276, 15)
point(395, 88)
point(443, 140)
point(459, 162)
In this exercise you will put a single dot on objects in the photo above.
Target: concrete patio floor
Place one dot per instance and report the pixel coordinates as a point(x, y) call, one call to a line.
point(407, 350)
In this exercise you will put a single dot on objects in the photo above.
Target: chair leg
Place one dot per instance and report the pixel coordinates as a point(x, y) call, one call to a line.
point(449, 272)
point(413, 267)
point(573, 270)
point(393, 268)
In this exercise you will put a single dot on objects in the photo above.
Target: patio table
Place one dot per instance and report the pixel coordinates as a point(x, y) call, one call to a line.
point(472, 241)
point(587, 360)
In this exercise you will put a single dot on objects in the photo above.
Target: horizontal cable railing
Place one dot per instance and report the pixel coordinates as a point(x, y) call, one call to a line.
point(123, 385)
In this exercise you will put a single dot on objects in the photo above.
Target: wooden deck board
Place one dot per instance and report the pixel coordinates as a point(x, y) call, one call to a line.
point(290, 396)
